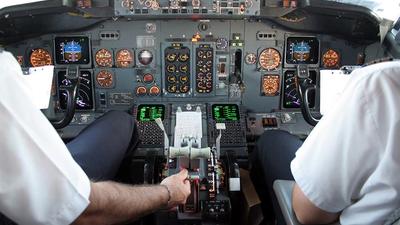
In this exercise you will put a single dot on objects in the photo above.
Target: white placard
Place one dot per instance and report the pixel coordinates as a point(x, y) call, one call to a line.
point(39, 82)
point(333, 83)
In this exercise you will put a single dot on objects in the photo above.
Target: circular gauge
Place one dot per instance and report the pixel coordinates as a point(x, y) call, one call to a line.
point(124, 58)
point(171, 79)
point(270, 85)
point(141, 91)
point(251, 58)
point(154, 91)
point(171, 57)
point(127, 4)
point(221, 43)
point(148, 78)
point(269, 59)
point(331, 59)
point(105, 79)
point(183, 57)
point(145, 57)
point(40, 57)
point(104, 58)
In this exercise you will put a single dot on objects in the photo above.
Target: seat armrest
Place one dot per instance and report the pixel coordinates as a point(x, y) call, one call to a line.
point(283, 190)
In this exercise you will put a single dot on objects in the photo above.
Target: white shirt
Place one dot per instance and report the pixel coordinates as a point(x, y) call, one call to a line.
point(40, 183)
point(350, 163)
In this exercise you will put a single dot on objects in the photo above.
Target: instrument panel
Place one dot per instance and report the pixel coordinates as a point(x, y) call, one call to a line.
point(154, 61)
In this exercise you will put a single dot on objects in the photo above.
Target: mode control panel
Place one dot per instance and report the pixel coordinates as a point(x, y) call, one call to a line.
point(187, 7)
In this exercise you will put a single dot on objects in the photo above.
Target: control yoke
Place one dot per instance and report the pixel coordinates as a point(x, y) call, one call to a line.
point(305, 87)
point(71, 88)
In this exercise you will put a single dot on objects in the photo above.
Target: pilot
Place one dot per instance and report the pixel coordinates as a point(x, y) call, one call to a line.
point(41, 183)
point(348, 167)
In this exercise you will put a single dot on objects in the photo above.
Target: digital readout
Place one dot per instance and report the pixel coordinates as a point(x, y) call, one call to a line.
point(225, 112)
point(150, 112)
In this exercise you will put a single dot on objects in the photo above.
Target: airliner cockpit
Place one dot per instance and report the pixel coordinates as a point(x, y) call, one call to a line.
point(212, 87)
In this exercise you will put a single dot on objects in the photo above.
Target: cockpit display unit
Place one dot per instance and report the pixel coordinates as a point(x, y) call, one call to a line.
point(302, 50)
point(146, 113)
point(225, 112)
point(72, 50)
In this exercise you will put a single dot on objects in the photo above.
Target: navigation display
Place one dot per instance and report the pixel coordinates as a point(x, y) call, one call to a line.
point(147, 113)
point(225, 112)
point(72, 50)
point(302, 50)
point(291, 98)
point(84, 100)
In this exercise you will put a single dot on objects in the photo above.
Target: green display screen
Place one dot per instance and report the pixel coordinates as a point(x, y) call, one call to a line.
point(225, 112)
point(150, 112)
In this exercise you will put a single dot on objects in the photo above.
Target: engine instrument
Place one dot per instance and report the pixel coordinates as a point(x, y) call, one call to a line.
point(124, 58)
point(331, 59)
point(177, 80)
point(270, 59)
point(302, 50)
point(40, 57)
point(104, 58)
point(270, 85)
point(204, 69)
point(105, 79)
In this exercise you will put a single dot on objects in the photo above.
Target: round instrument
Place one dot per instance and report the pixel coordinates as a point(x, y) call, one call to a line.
point(145, 57)
point(148, 78)
point(331, 59)
point(104, 58)
point(141, 91)
point(251, 59)
point(105, 79)
point(124, 58)
point(154, 91)
point(40, 57)
point(221, 43)
point(270, 85)
point(270, 59)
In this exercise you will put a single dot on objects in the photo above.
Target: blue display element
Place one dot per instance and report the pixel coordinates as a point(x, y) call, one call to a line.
point(302, 48)
point(72, 47)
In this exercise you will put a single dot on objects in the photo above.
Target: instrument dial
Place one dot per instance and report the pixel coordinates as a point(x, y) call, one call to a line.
point(105, 79)
point(124, 58)
point(221, 43)
point(145, 57)
point(270, 59)
point(251, 59)
point(40, 57)
point(270, 85)
point(331, 59)
point(104, 58)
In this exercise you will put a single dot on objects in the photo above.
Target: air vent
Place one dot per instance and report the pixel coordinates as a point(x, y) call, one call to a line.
point(109, 35)
point(261, 35)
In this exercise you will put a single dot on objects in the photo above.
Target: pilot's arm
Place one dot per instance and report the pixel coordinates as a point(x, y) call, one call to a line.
point(347, 165)
point(40, 183)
